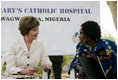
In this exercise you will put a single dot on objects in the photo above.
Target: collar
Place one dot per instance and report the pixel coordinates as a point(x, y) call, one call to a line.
point(23, 44)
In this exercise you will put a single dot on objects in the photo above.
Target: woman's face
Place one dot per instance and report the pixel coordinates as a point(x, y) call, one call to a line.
point(33, 33)
point(82, 37)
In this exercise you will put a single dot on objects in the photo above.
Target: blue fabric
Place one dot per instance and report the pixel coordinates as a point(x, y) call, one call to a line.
point(107, 58)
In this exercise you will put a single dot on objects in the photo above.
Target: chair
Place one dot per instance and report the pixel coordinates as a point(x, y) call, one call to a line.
point(45, 75)
point(72, 74)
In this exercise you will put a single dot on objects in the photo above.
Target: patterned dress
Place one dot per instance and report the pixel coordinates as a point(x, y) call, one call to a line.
point(106, 52)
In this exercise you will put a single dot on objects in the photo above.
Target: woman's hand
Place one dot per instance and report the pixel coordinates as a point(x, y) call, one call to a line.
point(28, 71)
point(47, 68)
point(92, 56)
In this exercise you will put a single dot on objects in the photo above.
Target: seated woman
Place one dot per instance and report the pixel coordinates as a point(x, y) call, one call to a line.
point(101, 50)
point(25, 53)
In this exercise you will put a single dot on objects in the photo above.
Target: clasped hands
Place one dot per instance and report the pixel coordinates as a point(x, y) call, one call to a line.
point(31, 70)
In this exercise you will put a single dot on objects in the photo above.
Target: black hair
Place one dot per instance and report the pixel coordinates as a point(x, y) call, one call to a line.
point(91, 30)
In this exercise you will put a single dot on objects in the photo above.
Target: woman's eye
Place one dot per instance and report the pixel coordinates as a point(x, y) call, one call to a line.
point(34, 29)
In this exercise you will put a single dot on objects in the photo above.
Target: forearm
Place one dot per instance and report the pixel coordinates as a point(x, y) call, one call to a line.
point(28, 71)
point(12, 69)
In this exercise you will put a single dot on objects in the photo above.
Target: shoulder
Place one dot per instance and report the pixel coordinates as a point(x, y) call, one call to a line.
point(106, 42)
point(14, 45)
point(15, 42)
